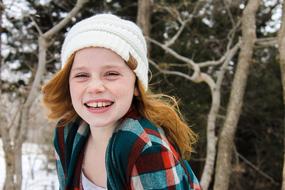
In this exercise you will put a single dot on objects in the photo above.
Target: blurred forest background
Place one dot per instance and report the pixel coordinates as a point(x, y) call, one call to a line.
point(223, 59)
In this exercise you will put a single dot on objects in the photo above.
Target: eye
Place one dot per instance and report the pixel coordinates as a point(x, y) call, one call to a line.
point(112, 75)
point(81, 75)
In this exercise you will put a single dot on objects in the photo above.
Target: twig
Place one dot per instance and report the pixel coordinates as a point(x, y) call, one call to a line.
point(265, 42)
point(229, 12)
point(175, 14)
point(64, 22)
point(202, 77)
point(229, 55)
point(257, 169)
point(36, 25)
point(43, 45)
point(164, 71)
point(188, 61)
point(174, 38)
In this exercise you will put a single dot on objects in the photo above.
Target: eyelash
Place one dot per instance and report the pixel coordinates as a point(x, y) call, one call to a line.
point(81, 75)
point(109, 73)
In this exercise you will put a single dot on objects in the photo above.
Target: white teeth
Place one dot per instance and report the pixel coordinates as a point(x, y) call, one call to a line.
point(99, 104)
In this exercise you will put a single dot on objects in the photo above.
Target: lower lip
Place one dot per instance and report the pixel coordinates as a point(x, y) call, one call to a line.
point(99, 110)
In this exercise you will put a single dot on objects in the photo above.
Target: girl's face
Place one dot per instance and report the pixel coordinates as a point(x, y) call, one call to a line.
point(102, 86)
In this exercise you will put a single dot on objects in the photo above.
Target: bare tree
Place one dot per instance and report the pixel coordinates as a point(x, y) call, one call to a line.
point(215, 87)
point(226, 138)
point(1, 13)
point(281, 47)
point(197, 77)
point(208, 170)
point(13, 146)
point(143, 17)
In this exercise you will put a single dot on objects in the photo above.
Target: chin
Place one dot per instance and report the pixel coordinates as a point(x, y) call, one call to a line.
point(100, 124)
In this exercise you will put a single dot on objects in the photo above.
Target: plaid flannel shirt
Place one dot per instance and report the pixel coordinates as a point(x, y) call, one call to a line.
point(138, 157)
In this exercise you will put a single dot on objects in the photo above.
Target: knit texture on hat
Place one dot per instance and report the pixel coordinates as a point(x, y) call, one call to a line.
point(109, 31)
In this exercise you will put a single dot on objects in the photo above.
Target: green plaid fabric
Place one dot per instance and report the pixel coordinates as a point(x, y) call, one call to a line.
point(138, 157)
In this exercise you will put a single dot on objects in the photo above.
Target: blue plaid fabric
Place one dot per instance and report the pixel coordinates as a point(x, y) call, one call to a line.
point(138, 156)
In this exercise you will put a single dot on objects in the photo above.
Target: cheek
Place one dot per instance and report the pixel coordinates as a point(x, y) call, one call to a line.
point(126, 92)
point(74, 91)
point(126, 88)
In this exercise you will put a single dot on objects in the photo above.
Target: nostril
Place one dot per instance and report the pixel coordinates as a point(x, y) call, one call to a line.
point(96, 87)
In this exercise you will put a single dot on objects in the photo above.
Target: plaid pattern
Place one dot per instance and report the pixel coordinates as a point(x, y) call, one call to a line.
point(138, 156)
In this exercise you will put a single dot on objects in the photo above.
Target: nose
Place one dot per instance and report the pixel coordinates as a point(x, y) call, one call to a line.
point(95, 86)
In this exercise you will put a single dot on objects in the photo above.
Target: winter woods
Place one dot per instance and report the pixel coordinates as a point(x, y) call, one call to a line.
point(223, 59)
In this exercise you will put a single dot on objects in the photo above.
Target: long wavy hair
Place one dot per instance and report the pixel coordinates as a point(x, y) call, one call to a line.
point(160, 109)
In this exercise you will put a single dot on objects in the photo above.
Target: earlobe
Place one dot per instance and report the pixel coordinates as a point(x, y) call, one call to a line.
point(136, 92)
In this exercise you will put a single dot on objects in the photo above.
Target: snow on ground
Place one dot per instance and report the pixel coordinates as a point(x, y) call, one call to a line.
point(35, 176)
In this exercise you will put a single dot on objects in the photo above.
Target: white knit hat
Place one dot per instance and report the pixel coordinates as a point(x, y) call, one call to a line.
point(109, 31)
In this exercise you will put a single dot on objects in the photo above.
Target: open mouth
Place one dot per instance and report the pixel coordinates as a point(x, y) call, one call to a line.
point(98, 105)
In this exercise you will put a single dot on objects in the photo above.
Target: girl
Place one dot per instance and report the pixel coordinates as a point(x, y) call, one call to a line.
point(113, 133)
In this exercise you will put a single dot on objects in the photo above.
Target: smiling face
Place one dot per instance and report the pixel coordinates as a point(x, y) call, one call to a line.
point(102, 86)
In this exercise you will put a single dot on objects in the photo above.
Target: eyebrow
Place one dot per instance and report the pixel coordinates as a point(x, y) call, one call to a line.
point(85, 68)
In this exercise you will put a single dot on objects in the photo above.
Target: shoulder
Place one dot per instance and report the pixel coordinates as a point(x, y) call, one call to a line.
point(150, 160)
point(140, 139)
point(138, 135)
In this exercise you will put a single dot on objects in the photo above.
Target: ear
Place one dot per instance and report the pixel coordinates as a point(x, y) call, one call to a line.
point(136, 91)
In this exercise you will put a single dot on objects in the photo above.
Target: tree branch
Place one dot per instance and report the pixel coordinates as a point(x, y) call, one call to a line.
point(79, 4)
point(223, 58)
point(182, 22)
point(188, 61)
point(174, 38)
point(203, 77)
point(229, 12)
point(36, 25)
point(257, 169)
point(265, 42)
point(43, 45)
point(215, 88)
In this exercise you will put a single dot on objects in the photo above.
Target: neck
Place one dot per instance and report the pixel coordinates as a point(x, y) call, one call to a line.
point(100, 136)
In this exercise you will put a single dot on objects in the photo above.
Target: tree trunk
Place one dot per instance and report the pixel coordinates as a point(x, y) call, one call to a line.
point(1, 13)
point(208, 170)
point(211, 139)
point(143, 17)
point(13, 180)
point(281, 37)
point(226, 139)
point(10, 178)
point(13, 155)
point(10, 166)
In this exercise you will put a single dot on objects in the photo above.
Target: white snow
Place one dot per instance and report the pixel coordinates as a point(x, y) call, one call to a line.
point(35, 176)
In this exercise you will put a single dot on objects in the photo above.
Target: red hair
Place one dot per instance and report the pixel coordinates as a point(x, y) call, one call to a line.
point(160, 109)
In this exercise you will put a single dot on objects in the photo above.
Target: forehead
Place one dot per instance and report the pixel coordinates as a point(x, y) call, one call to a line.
point(97, 54)
point(98, 58)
